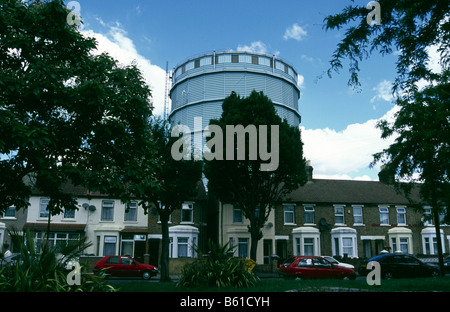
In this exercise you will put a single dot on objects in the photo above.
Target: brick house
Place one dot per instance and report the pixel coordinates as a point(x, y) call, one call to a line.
point(113, 227)
point(343, 218)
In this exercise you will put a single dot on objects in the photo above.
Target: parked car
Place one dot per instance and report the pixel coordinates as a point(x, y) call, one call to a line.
point(12, 259)
point(447, 264)
point(306, 267)
point(335, 262)
point(124, 266)
point(400, 265)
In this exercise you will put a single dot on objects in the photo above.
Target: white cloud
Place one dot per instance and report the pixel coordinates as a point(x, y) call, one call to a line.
point(118, 45)
point(383, 92)
point(295, 32)
point(342, 154)
point(254, 47)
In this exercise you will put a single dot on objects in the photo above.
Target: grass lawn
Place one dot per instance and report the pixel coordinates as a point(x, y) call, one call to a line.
point(282, 285)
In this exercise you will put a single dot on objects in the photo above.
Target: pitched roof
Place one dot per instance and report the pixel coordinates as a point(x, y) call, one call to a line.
point(349, 192)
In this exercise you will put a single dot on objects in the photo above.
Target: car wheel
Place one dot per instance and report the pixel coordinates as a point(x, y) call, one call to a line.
point(435, 274)
point(387, 275)
point(146, 275)
point(298, 277)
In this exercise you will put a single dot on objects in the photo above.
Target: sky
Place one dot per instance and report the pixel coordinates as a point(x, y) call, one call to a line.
point(338, 124)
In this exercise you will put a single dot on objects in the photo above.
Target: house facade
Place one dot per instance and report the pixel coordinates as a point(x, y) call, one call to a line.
point(354, 219)
point(112, 227)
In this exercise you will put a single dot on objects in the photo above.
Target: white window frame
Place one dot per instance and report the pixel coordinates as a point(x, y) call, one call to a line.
point(241, 243)
point(384, 210)
point(359, 215)
point(289, 216)
point(340, 235)
point(339, 214)
point(238, 216)
point(187, 208)
point(67, 214)
point(309, 210)
point(43, 212)
point(106, 204)
point(401, 212)
point(131, 214)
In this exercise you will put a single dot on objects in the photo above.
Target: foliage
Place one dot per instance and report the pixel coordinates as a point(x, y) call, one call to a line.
point(217, 269)
point(66, 113)
point(242, 182)
point(46, 269)
point(421, 150)
point(179, 180)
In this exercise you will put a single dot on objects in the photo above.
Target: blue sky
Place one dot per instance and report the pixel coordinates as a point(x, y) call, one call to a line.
point(338, 122)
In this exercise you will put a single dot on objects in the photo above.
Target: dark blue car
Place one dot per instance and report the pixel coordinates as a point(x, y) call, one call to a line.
point(401, 265)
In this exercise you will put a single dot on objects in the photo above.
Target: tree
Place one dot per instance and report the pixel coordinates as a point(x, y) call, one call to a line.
point(66, 115)
point(421, 151)
point(179, 181)
point(244, 181)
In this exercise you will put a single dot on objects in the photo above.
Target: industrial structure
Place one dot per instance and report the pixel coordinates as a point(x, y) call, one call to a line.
point(201, 83)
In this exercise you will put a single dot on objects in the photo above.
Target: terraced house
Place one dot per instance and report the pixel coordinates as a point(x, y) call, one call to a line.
point(113, 227)
point(345, 218)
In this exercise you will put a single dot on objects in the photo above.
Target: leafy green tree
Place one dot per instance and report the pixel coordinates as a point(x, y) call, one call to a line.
point(179, 181)
point(421, 151)
point(242, 182)
point(66, 114)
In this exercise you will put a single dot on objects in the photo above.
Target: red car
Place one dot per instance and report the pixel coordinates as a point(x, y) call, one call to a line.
point(313, 267)
point(124, 266)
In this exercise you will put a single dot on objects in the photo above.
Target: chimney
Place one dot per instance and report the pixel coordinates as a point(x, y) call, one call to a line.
point(385, 175)
point(309, 170)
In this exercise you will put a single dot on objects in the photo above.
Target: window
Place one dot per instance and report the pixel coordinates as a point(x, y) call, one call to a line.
point(197, 63)
point(127, 245)
point(10, 212)
point(243, 247)
point(384, 216)
point(182, 247)
point(109, 245)
point(69, 213)
point(187, 212)
point(288, 214)
point(43, 211)
point(131, 211)
point(308, 245)
point(430, 242)
point(401, 216)
point(338, 214)
point(255, 60)
point(309, 214)
point(344, 241)
point(113, 260)
point(305, 263)
point(234, 58)
point(237, 214)
point(107, 211)
point(428, 216)
point(58, 240)
point(404, 243)
point(358, 215)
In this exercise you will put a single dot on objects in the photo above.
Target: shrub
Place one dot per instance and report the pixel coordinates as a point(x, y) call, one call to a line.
point(217, 269)
point(46, 269)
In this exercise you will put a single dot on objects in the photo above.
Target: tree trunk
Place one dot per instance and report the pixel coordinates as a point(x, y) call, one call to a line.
point(255, 236)
point(164, 260)
point(437, 226)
